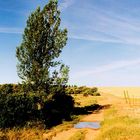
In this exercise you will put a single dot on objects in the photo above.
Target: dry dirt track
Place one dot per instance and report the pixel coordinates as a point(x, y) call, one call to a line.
point(95, 116)
point(91, 133)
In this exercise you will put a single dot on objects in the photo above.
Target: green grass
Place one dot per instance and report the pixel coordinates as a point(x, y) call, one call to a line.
point(119, 127)
point(79, 135)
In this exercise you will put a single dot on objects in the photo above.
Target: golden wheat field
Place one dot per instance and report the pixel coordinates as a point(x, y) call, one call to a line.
point(134, 92)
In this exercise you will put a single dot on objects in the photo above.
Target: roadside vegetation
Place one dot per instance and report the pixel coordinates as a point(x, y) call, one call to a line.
point(79, 135)
point(35, 128)
point(117, 126)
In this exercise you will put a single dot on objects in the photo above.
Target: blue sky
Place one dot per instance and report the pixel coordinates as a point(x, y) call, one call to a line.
point(103, 48)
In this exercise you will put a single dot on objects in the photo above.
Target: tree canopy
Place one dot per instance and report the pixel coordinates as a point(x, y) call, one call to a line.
point(42, 43)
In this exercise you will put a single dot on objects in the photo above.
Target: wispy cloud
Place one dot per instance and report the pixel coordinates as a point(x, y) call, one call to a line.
point(11, 30)
point(95, 38)
point(108, 67)
point(65, 4)
point(105, 26)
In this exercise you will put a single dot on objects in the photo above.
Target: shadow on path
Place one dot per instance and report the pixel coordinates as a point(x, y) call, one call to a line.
point(89, 109)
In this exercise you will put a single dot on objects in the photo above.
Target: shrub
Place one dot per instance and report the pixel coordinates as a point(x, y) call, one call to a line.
point(10, 88)
point(6, 89)
point(85, 94)
point(93, 90)
point(69, 90)
point(57, 108)
point(82, 90)
point(16, 109)
point(96, 94)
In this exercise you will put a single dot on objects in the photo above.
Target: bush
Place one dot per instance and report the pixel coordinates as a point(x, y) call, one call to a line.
point(6, 89)
point(93, 90)
point(10, 88)
point(96, 94)
point(57, 108)
point(85, 94)
point(53, 107)
point(82, 90)
point(16, 109)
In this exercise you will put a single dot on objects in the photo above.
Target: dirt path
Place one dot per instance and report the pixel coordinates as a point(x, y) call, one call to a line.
point(65, 135)
point(91, 133)
point(95, 116)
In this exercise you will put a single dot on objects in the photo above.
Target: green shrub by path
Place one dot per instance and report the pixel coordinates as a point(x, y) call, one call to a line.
point(83, 90)
point(11, 88)
point(16, 109)
point(57, 108)
point(6, 88)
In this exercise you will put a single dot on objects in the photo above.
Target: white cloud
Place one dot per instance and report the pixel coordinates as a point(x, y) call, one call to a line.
point(11, 30)
point(108, 67)
point(65, 4)
point(105, 26)
point(95, 38)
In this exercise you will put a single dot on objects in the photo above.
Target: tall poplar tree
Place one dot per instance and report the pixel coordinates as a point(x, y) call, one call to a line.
point(43, 41)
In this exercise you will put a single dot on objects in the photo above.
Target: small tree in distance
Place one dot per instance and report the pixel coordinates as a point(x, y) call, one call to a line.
point(42, 43)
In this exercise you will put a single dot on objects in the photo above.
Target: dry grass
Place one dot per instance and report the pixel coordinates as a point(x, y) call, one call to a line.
point(22, 134)
point(35, 133)
point(119, 91)
point(122, 121)
point(116, 126)
point(86, 101)
point(79, 135)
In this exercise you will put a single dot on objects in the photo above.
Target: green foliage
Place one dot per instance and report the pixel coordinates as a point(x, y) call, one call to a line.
point(43, 41)
point(61, 78)
point(58, 107)
point(13, 88)
point(10, 88)
point(16, 109)
point(6, 88)
point(83, 90)
point(96, 94)
point(55, 89)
